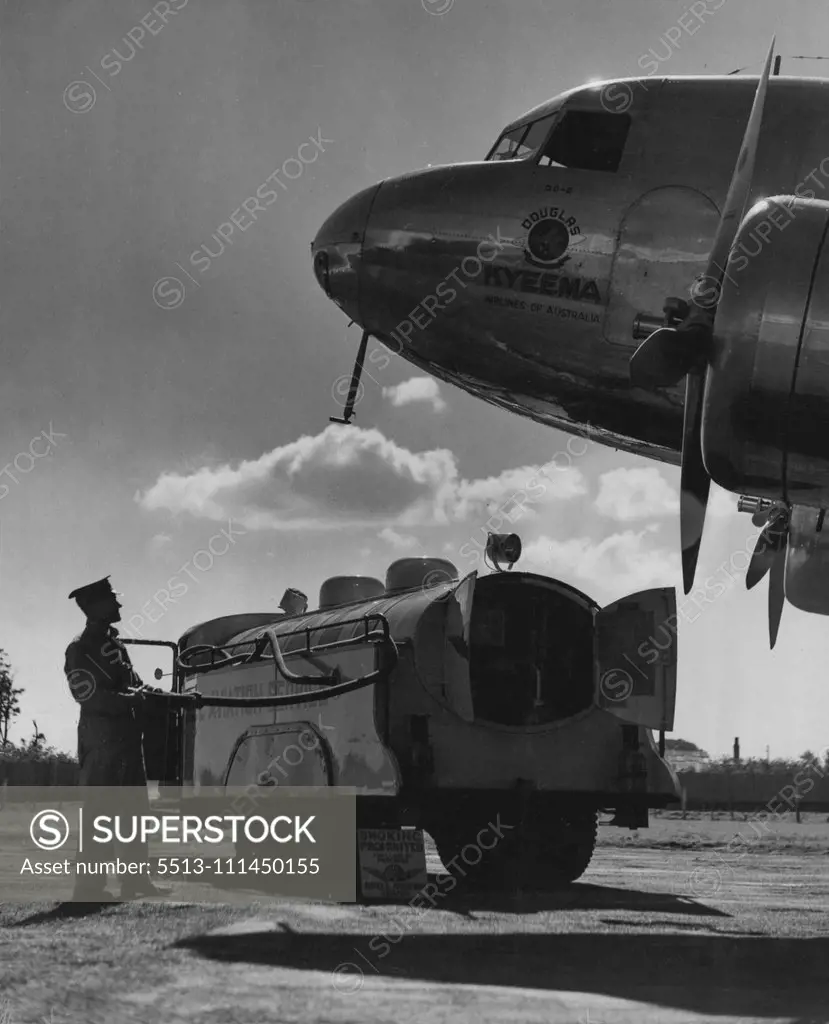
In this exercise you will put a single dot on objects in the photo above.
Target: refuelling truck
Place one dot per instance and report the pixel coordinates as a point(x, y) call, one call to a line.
point(445, 703)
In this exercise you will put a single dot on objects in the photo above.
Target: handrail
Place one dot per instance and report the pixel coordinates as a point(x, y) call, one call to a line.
point(292, 677)
point(352, 641)
point(240, 659)
point(184, 658)
point(193, 698)
point(324, 686)
point(176, 679)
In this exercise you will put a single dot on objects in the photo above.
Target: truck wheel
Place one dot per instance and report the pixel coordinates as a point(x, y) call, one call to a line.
point(488, 874)
point(540, 855)
point(568, 847)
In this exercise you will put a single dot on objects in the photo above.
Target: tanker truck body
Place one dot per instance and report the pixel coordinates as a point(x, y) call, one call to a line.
point(512, 698)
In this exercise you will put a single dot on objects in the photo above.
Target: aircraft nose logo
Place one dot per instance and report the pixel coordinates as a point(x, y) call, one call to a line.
point(547, 242)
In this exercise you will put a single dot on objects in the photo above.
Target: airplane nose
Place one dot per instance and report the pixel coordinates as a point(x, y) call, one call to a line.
point(338, 247)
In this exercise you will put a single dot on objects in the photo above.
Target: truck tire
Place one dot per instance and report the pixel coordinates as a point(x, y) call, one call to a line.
point(539, 855)
point(568, 851)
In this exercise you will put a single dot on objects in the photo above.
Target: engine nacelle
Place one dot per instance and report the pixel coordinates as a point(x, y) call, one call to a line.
point(765, 428)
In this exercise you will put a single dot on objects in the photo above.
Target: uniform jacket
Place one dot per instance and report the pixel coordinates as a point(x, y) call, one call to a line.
point(99, 672)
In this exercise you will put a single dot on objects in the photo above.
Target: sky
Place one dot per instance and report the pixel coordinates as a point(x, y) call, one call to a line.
point(180, 441)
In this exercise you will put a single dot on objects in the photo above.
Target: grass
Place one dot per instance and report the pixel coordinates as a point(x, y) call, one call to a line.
point(757, 834)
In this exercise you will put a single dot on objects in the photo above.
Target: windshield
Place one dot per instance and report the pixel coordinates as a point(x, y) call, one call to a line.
point(524, 141)
point(590, 140)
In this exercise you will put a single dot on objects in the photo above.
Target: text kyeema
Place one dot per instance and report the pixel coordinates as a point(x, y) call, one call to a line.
point(177, 829)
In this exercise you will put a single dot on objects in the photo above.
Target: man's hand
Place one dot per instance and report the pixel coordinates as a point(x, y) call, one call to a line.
point(141, 690)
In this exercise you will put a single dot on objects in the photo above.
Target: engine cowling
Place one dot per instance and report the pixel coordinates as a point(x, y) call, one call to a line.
point(765, 427)
point(765, 421)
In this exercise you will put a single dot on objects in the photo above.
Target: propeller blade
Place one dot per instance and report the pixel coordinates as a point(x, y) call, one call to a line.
point(704, 309)
point(777, 594)
point(695, 481)
point(807, 560)
point(665, 357)
point(770, 543)
point(760, 563)
point(660, 360)
point(761, 517)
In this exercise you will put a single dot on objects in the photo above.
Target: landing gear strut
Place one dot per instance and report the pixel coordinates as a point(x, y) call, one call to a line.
point(354, 386)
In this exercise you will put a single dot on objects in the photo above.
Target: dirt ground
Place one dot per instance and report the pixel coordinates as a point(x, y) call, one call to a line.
point(673, 924)
point(770, 834)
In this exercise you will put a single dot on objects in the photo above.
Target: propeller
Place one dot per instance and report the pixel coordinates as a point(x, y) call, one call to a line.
point(684, 349)
point(770, 557)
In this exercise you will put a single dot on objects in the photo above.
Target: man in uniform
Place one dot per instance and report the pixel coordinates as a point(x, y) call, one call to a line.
point(111, 696)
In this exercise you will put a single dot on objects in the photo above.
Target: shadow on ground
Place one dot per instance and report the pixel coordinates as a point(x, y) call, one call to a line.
point(580, 896)
point(703, 974)
point(63, 912)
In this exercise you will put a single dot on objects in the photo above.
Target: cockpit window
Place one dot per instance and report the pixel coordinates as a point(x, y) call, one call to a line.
point(537, 135)
point(507, 146)
point(587, 140)
point(522, 142)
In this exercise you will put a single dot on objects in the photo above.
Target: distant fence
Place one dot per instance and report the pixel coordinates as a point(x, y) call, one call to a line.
point(38, 773)
point(749, 790)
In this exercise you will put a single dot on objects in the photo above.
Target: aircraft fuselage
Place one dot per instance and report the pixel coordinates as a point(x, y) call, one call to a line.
point(521, 280)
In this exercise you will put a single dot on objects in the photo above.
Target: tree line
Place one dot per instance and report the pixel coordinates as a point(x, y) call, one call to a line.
point(760, 765)
point(35, 748)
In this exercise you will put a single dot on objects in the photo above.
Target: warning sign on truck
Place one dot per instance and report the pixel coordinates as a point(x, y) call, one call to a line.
point(392, 863)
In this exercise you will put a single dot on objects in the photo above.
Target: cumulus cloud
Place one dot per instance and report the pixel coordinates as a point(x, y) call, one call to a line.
point(399, 541)
point(517, 493)
point(626, 494)
point(346, 476)
point(416, 389)
point(159, 542)
point(621, 563)
point(721, 503)
point(629, 494)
